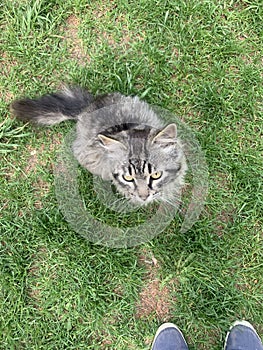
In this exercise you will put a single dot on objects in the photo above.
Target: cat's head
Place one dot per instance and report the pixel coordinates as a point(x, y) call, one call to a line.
point(146, 164)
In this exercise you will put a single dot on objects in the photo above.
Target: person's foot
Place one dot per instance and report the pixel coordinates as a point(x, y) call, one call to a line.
point(242, 336)
point(169, 337)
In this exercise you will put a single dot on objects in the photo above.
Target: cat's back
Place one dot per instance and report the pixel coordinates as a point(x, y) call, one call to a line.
point(116, 109)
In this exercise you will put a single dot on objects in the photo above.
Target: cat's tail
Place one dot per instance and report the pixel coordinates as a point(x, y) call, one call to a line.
point(54, 108)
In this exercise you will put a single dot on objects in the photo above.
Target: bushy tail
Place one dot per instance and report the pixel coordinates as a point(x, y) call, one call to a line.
point(54, 108)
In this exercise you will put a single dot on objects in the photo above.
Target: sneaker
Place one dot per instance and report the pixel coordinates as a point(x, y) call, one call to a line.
point(169, 337)
point(242, 336)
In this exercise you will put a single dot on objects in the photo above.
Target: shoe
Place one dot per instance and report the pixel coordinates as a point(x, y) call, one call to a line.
point(242, 336)
point(169, 337)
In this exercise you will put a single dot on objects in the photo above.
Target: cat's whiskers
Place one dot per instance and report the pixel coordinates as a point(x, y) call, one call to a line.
point(174, 202)
point(118, 201)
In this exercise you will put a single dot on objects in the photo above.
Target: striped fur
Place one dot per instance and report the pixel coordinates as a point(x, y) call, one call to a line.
point(118, 138)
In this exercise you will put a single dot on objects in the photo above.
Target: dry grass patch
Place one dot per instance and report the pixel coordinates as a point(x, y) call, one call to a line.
point(6, 65)
point(32, 160)
point(35, 274)
point(224, 218)
point(43, 155)
point(74, 43)
point(155, 298)
point(121, 36)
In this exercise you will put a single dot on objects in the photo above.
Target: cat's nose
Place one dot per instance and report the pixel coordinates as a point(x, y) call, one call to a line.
point(142, 190)
point(143, 195)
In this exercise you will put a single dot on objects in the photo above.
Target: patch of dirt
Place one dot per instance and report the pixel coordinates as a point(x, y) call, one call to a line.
point(34, 273)
point(56, 140)
point(32, 160)
point(6, 96)
point(222, 181)
point(41, 188)
point(122, 37)
point(37, 156)
point(5, 67)
point(227, 214)
point(213, 338)
point(223, 219)
point(73, 41)
point(104, 339)
point(39, 159)
point(155, 297)
point(154, 301)
point(6, 63)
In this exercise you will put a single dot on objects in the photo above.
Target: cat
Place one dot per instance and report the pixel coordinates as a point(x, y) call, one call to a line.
point(119, 138)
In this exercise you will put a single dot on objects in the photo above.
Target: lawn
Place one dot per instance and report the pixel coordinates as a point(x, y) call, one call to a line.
point(202, 61)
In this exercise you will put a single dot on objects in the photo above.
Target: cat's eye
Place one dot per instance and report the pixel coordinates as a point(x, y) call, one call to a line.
point(128, 178)
point(157, 175)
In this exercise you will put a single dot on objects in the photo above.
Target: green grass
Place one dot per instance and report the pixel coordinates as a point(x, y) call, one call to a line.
point(202, 60)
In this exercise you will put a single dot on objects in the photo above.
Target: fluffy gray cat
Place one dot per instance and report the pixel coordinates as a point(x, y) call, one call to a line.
point(119, 138)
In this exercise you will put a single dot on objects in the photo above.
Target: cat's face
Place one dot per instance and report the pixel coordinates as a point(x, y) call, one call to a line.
point(142, 182)
point(147, 169)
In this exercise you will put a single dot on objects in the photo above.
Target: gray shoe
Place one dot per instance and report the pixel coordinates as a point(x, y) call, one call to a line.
point(169, 337)
point(242, 336)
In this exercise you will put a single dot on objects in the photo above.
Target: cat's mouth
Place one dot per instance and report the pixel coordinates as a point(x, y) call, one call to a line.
point(136, 200)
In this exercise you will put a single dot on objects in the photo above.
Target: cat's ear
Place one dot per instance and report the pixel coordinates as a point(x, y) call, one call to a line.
point(110, 144)
point(166, 135)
